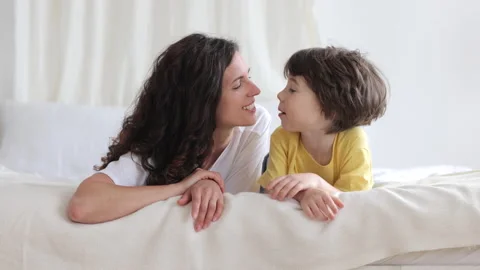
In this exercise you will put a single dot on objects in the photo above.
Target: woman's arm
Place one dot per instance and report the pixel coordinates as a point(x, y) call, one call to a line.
point(98, 199)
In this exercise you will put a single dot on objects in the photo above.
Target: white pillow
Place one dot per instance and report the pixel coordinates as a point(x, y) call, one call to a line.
point(55, 140)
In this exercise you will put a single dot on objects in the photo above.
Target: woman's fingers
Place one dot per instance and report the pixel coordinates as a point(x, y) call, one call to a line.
point(196, 202)
point(202, 212)
point(211, 208)
point(186, 198)
point(207, 198)
point(219, 210)
point(213, 205)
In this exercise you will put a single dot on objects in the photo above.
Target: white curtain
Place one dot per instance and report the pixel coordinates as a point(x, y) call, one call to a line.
point(98, 52)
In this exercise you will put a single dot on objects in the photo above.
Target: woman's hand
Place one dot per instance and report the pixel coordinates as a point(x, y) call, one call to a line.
point(320, 204)
point(201, 174)
point(207, 203)
point(286, 187)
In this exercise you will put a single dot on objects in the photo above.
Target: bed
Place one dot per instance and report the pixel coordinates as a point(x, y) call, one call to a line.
point(401, 230)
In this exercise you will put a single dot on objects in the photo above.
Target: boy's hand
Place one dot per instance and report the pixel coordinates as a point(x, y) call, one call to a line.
point(286, 187)
point(319, 204)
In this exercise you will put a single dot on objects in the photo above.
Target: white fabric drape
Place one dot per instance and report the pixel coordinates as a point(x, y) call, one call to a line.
point(99, 52)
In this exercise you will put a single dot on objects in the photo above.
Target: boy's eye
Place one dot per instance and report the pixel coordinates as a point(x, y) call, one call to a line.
point(292, 90)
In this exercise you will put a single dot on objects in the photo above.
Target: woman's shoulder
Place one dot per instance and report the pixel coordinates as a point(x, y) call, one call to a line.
point(126, 171)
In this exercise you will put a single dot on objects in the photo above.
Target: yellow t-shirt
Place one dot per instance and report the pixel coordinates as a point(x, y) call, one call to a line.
point(349, 168)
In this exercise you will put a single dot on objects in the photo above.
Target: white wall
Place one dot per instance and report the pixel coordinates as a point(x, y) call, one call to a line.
point(6, 48)
point(429, 51)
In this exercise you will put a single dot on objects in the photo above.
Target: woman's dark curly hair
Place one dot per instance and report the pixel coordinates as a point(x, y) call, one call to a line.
point(172, 124)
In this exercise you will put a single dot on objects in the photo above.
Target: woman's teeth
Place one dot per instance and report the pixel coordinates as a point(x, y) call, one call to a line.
point(249, 107)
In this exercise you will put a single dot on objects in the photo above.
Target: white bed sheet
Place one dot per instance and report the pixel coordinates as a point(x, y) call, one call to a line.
point(454, 256)
point(419, 267)
point(457, 258)
point(386, 176)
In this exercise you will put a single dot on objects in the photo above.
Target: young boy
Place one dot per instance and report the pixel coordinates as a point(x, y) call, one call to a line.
point(320, 149)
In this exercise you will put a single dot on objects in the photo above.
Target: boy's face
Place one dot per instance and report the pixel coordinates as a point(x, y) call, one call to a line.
point(299, 107)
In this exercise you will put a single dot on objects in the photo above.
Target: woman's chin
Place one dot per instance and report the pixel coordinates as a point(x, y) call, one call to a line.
point(247, 121)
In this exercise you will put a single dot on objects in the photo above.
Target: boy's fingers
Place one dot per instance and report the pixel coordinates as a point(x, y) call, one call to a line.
point(331, 204)
point(286, 189)
point(278, 187)
point(296, 189)
point(338, 202)
point(325, 210)
point(275, 182)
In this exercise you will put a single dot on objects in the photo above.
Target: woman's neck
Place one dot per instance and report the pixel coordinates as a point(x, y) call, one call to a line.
point(221, 139)
point(319, 145)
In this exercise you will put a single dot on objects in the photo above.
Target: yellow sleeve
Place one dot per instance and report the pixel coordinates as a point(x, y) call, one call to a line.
point(277, 161)
point(356, 166)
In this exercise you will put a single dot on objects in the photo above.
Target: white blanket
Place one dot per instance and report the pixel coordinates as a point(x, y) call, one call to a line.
point(254, 232)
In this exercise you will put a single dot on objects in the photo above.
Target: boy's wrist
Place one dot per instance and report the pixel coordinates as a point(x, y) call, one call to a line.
point(320, 182)
point(299, 196)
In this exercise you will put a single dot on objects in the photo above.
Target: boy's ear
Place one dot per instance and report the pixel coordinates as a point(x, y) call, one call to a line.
point(332, 117)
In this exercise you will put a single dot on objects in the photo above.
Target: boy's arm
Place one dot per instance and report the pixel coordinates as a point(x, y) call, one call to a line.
point(277, 161)
point(356, 171)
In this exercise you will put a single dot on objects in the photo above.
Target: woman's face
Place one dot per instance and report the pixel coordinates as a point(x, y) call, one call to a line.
point(237, 103)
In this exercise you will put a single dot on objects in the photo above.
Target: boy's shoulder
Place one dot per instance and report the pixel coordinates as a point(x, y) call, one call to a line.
point(353, 136)
point(281, 134)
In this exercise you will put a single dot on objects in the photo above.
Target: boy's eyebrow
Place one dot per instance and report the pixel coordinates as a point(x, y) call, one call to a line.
point(241, 76)
point(293, 80)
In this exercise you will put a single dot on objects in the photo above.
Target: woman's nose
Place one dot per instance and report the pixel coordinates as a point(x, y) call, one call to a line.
point(254, 90)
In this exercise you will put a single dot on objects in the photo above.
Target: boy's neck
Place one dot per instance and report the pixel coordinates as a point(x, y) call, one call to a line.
point(319, 145)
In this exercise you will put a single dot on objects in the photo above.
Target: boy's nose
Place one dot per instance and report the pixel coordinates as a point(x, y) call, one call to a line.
point(279, 95)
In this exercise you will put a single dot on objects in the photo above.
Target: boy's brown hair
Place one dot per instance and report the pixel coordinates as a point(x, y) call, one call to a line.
point(350, 89)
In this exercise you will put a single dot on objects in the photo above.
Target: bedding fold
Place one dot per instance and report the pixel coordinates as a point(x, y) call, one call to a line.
point(254, 231)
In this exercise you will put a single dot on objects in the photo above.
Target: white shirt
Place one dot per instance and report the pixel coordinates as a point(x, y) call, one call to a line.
point(240, 164)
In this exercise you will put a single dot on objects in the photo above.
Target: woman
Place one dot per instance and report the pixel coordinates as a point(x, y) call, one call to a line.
point(194, 130)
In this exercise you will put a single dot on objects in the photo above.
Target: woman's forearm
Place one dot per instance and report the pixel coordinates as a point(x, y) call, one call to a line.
point(98, 199)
